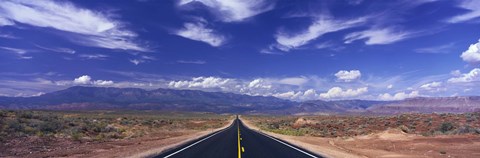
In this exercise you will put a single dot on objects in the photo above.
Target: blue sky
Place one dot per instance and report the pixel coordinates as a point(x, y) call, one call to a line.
point(299, 50)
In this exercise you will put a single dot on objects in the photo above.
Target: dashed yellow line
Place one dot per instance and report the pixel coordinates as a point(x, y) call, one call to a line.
point(239, 151)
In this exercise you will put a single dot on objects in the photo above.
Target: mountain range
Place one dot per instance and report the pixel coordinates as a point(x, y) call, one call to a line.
point(109, 98)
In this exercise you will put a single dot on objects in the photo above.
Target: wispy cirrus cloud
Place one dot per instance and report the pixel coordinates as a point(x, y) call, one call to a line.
point(225, 11)
point(93, 56)
point(57, 49)
point(142, 59)
point(21, 53)
point(376, 36)
point(233, 10)
point(90, 28)
point(137, 61)
point(323, 25)
point(200, 62)
point(199, 32)
point(446, 48)
point(5, 21)
point(15, 50)
point(472, 8)
point(8, 35)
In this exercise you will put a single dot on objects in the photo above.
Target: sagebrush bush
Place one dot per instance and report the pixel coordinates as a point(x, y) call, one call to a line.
point(446, 127)
point(95, 125)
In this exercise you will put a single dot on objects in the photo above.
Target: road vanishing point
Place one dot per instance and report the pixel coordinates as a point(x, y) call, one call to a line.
point(237, 141)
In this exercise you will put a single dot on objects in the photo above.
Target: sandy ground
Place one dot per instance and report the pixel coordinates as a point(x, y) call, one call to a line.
point(146, 146)
point(388, 144)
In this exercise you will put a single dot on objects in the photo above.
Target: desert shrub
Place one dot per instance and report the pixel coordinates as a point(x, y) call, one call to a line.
point(428, 133)
point(26, 115)
point(465, 129)
point(50, 127)
point(3, 113)
point(125, 122)
point(76, 136)
point(274, 126)
point(445, 127)
point(115, 136)
point(109, 128)
point(14, 126)
point(470, 117)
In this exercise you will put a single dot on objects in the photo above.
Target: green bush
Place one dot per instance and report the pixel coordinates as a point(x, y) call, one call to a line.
point(445, 127)
point(50, 127)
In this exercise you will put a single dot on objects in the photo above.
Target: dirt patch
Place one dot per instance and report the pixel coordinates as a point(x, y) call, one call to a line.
point(413, 146)
point(390, 134)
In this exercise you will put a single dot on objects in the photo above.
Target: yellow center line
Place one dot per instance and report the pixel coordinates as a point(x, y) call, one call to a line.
point(239, 151)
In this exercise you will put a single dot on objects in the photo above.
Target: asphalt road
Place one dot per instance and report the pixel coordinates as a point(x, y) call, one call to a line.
point(237, 141)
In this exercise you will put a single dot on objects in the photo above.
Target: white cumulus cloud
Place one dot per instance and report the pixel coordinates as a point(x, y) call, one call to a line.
point(398, 96)
point(201, 83)
point(85, 79)
point(102, 83)
point(348, 76)
point(472, 54)
point(431, 85)
point(473, 75)
point(259, 83)
point(339, 93)
point(309, 94)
